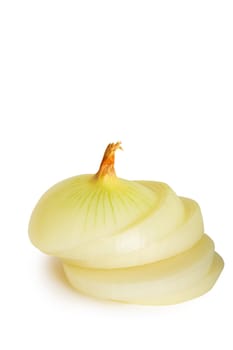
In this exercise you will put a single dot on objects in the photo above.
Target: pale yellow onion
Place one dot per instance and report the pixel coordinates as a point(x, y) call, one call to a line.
point(104, 222)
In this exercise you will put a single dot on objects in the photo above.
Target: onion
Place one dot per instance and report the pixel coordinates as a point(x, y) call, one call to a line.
point(130, 241)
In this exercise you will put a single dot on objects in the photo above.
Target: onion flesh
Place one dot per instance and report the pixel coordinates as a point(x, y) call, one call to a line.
point(179, 278)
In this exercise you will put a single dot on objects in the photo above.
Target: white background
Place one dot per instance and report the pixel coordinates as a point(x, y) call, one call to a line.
point(74, 76)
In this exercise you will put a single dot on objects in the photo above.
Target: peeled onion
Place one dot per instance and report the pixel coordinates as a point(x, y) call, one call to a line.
point(130, 241)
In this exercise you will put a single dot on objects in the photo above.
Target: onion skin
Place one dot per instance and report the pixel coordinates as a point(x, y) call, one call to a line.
point(129, 241)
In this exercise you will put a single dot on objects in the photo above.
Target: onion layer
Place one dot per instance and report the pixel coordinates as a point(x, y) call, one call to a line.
point(172, 280)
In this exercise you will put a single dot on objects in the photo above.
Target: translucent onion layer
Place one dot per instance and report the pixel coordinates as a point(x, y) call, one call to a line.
point(179, 278)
